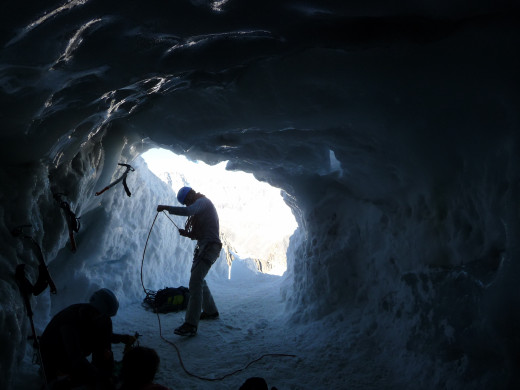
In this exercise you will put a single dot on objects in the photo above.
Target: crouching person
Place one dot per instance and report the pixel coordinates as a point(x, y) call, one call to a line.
point(75, 333)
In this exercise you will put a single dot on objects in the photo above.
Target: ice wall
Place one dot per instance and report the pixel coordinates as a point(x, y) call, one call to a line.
point(419, 272)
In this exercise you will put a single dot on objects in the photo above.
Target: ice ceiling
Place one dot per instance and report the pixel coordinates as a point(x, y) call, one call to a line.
point(418, 230)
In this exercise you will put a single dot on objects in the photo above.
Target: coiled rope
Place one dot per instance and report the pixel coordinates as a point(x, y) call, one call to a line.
point(147, 292)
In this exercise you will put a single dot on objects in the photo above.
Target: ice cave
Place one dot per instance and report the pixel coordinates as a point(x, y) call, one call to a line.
point(390, 131)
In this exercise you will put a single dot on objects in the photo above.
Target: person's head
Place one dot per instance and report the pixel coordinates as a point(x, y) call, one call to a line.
point(254, 383)
point(139, 367)
point(185, 195)
point(105, 302)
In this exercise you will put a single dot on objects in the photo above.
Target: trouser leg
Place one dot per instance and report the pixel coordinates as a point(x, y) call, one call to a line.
point(198, 273)
point(208, 303)
point(200, 295)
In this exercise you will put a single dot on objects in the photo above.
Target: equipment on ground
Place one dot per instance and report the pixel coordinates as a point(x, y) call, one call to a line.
point(123, 178)
point(168, 299)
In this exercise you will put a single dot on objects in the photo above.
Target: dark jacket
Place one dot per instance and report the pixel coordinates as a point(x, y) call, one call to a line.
point(207, 221)
point(75, 333)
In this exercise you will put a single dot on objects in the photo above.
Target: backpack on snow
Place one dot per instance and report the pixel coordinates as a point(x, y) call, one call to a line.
point(168, 299)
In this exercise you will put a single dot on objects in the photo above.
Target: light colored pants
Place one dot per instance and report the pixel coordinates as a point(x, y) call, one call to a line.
point(200, 295)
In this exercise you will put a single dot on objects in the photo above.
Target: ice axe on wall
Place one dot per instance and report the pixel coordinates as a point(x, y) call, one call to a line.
point(27, 289)
point(123, 178)
point(72, 221)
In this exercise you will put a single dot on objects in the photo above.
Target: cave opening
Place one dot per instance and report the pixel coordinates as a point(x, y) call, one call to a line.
point(255, 222)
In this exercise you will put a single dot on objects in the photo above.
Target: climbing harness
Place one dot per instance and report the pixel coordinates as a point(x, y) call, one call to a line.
point(123, 178)
point(72, 221)
point(192, 227)
point(44, 277)
point(147, 292)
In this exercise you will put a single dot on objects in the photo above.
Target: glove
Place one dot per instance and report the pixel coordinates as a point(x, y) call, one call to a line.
point(128, 339)
point(161, 208)
point(183, 232)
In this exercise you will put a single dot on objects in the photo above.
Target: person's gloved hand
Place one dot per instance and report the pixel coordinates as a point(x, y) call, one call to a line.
point(161, 208)
point(183, 232)
point(128, 339)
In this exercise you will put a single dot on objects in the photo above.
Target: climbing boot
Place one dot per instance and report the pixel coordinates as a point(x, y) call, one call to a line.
point(186, 330)
point(206, 316)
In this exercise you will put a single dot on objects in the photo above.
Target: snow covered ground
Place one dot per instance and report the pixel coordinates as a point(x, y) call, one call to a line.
point(252, 323)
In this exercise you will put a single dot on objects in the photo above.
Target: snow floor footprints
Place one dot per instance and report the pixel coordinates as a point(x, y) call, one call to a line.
point(231, 334)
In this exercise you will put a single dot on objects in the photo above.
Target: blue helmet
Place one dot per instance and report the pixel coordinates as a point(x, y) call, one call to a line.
point(181, 195)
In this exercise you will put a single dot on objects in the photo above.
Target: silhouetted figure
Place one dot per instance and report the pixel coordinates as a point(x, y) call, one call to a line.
point(140, 365)
point(255, 383)
point(203, 226)
point(77, 332)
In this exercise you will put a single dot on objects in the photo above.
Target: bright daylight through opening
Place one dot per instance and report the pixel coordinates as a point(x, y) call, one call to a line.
point(254, 220)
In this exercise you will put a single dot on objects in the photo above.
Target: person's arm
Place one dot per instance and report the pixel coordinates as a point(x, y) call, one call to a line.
point(198, 206)
point(122, 338)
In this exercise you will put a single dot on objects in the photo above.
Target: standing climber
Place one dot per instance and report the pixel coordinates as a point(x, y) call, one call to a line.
point(202, 225)
point(76, 332)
